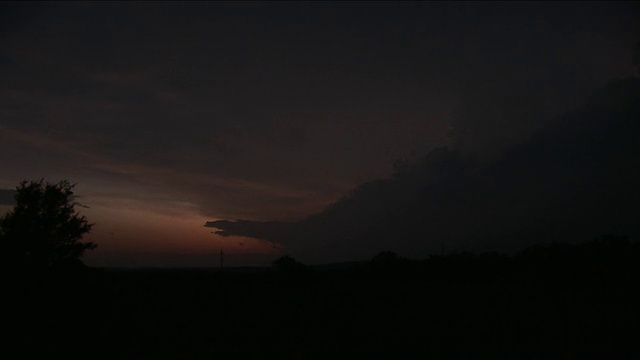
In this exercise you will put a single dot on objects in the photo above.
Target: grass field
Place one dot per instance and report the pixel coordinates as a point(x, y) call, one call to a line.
point(448, 309)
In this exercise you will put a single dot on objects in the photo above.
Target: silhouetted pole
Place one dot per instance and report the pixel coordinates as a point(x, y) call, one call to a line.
point(221, 260)
point(636, 57)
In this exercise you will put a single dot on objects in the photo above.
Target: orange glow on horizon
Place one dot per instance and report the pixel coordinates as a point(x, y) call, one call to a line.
point(148, 229)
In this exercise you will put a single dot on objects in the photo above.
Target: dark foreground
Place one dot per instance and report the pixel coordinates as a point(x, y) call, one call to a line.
point(549, 304)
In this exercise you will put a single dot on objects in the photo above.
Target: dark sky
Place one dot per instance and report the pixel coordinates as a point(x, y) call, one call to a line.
point(171, 114)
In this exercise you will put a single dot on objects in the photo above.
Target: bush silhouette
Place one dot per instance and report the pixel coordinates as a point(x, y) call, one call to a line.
point(43, 230)
point(386, 257)
point(389, 262)
point(287, 264)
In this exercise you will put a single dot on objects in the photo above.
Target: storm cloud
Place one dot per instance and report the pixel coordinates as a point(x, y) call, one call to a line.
point(573, 180)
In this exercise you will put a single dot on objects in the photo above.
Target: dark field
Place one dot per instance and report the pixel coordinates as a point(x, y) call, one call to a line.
point(547, 304)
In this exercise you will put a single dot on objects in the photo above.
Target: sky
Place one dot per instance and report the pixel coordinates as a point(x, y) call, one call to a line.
point(171, 114)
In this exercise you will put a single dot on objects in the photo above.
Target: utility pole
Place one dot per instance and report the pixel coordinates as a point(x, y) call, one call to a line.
point(221, 260)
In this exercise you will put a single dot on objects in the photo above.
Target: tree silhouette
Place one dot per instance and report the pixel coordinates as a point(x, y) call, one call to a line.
point(43, 230)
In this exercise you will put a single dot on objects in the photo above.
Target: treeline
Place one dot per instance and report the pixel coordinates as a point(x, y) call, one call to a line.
point(606, 255)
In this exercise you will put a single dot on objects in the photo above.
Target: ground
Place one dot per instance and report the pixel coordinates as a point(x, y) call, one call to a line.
point(353, 313)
